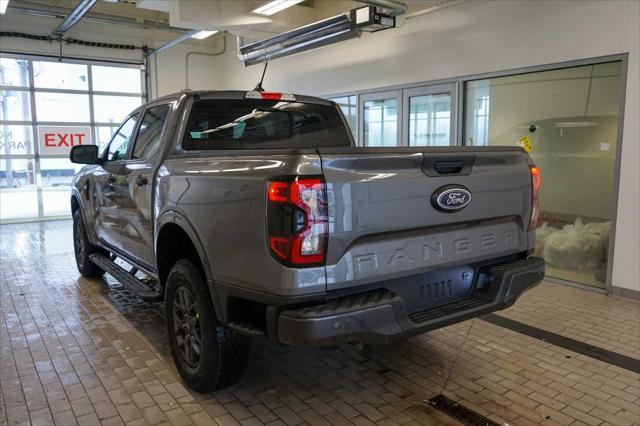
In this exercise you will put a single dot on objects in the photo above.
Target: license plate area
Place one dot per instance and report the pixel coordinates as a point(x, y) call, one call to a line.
point(436, 288)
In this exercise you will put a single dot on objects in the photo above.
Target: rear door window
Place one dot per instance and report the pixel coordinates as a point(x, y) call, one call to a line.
point(238, 124)
point(150, 131)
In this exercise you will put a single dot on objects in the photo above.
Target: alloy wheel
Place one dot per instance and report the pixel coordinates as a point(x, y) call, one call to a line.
point(186, 324)
point(79, 242)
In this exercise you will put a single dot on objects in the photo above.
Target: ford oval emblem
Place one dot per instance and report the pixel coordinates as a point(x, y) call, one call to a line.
point(451, 198)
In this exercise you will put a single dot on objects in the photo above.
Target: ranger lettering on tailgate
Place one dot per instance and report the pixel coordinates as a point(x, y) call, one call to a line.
point(432, 251)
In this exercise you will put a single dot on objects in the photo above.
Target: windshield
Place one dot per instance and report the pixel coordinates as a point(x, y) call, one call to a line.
point(263, 124)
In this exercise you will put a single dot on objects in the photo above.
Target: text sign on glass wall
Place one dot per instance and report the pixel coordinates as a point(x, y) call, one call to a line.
point(58, 140)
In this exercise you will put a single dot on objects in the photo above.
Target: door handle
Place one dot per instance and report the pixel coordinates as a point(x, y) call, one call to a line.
point(449, 167)
point(436, 165)
point(141, 180)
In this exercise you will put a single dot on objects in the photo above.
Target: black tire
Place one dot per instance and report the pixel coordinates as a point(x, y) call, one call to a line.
point(192, 324)
point(83, 248)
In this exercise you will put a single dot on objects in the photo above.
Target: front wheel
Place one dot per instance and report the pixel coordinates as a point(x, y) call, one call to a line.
point(208, 355)
point(83, 248)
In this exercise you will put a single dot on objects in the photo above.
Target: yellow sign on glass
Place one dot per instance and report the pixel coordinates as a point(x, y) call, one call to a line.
point(526, 143)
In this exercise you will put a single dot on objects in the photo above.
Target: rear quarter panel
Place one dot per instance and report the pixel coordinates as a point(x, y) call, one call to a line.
point(223, 196)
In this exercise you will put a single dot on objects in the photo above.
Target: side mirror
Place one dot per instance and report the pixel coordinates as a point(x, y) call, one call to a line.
point(84, 154)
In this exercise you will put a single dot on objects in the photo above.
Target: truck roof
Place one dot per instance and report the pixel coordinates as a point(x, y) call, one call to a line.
point(235, 94)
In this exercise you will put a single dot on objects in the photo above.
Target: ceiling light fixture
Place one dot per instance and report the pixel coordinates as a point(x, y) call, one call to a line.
point(201, 35)
point(275, 6)
point(577, 124)
point(3, 6)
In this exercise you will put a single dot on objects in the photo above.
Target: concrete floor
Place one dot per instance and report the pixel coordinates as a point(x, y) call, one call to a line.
point(87, 351)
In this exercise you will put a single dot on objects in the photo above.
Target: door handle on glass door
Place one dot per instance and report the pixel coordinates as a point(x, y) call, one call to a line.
point(141, 180)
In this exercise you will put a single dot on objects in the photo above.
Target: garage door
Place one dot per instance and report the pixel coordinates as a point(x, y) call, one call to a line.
point(47, 106)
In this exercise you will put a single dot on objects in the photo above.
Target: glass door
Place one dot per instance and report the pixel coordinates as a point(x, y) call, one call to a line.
point(430, 115)
point(380, 119)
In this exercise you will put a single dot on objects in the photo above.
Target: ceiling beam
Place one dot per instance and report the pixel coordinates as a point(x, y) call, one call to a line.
point(74, 17)
point(173, 42)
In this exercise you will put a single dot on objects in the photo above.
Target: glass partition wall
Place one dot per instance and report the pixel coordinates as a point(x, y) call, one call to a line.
point(36, 92)
point(568, 121)
point(417, 116)
point(430, 118)
point(566, 116)
point(381, 119)
point(349, 106)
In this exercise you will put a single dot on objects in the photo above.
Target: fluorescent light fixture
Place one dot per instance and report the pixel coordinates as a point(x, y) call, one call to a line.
point(201, 35)
point(576, 124)
point(3, 6)
point(275, 6)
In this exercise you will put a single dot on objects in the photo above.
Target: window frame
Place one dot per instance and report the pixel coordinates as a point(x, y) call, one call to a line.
point(450, 89)
point(134, 134)
point(381, 96)
point(354, 130)
point(145, 108)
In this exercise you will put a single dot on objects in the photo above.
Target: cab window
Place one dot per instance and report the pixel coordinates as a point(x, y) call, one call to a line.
point(119, 144)
point(150, 131)
point(221, 124)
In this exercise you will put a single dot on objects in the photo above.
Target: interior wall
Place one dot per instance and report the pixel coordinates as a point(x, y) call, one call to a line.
point(472, 38)
point(480, 37)
point(186, 66)
point(627, 241)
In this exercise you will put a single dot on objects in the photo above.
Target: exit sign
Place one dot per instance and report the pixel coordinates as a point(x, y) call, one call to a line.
point(58, 140)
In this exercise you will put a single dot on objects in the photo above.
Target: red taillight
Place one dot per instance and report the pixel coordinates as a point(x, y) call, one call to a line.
point(297, 220)
point(272, 96)
point(535, 197)
point(278, 192)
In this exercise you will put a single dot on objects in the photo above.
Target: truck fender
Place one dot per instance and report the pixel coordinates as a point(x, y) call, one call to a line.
point(177, 218)
point(89, 224)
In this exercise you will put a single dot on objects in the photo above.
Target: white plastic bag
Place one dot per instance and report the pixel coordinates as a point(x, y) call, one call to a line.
point(600, 229)
point(544, 231)
point(575, 246)
point(541, 234)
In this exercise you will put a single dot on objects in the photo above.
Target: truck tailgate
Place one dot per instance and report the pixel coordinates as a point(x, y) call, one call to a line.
point(383, 223)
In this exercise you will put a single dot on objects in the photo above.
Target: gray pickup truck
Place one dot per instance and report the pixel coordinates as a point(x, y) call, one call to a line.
point(255, 214)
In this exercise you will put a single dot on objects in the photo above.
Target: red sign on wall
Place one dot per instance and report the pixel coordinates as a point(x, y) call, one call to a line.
point(58, 140)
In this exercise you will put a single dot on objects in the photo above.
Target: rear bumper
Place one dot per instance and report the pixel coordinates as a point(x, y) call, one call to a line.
point(380, 317)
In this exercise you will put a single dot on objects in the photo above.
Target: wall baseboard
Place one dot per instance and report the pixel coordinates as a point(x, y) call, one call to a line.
point(625, 293)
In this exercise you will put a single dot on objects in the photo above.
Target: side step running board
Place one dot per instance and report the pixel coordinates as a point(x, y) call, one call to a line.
point(246, 329)
point(147, 291)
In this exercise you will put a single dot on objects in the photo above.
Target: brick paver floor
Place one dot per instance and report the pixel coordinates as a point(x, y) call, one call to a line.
point(74, 350)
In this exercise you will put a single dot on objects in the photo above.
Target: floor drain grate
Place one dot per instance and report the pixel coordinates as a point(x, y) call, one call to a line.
point(460, 412)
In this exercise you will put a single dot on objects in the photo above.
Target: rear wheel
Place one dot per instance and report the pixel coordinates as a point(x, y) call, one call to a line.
point(208, 355)
point(83, 248)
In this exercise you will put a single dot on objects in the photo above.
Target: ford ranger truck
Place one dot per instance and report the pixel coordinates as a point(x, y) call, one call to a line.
point(255, 214)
